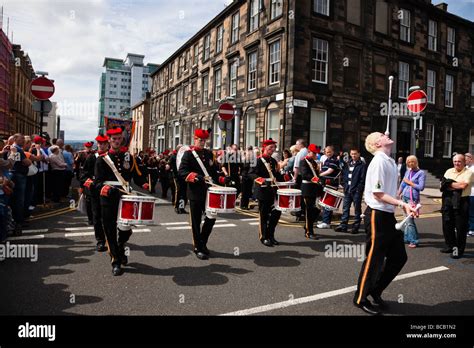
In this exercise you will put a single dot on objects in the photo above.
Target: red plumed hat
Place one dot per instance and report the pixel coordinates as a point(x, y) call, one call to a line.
point(89, 144)
point(202, 134)
point(269, 142)
point(114, 131)
point(102, 138)
point(314, 149)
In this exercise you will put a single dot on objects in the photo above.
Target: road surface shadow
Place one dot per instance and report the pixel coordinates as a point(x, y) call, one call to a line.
point(26, 289)
point(181, 250)
point(189, 276)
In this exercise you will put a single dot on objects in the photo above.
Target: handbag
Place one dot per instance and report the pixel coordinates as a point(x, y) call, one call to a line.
point(81, 204)
point(32, 170)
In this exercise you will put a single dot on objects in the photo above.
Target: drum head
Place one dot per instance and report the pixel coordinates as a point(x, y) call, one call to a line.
point(289, 192)
point(224, 190)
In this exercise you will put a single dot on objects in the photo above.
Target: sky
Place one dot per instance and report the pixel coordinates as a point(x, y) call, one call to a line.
point(70, 39)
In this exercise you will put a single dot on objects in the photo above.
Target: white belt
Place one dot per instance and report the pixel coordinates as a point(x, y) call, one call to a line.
point(307, 182)
point(112, 183)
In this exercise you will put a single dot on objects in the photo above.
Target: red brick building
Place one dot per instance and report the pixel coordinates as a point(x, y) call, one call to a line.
point(6, 128)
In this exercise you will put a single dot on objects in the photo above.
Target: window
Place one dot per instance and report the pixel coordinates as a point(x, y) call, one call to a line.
point(274, 62)
point(448, 96)
point(381, 17)
point(353, 11)
point(432, 35)
point(447, 141)
point(207, 48)
point(176, 135)
point(472, 94)
point(187, 57)
point(321, 7)
point(431, 87)
point(180, 66)
point(276, 9)
point(233, 77)
point(403, 79)
point(171, 72)
point(220, 38)
point(205, 89)
point(250, 129)
point(471, 141)
point(235, 28)
point(273, 124)
point(317, 131)
point(429, 140)
point(161, 139)
point(252, 71)
point(215, 134)
point(320, 61)
point(194, 93)
point(180, 98)
point(196, 54)
point(253, 15)
point(405, 25)
point(451, 46)
point(217, 84)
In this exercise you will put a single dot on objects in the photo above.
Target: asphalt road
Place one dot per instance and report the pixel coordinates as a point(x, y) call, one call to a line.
point(242, 277)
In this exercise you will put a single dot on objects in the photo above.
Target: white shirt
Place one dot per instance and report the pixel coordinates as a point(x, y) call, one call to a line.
point(299, 156)
point(382, 176)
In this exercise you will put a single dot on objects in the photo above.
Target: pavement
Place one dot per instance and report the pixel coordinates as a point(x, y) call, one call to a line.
point(243, 277)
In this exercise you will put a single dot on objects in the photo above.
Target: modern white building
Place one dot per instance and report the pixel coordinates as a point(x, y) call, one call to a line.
point(123, 84)
point(50, 122)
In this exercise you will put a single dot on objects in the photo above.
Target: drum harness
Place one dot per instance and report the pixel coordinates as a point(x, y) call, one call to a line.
point(121, 181)
point(269, 170)
point(312, 169)
point(207, 177)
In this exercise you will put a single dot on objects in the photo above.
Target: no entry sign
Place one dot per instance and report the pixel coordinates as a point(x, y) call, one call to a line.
point(417, 101)
point(226, 112)
point(42, 88)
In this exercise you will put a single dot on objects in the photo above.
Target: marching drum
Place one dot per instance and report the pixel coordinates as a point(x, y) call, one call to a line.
point(288, 200)
point(286, 184)
point(136, 210)
point(221, 200)
point(332, 199)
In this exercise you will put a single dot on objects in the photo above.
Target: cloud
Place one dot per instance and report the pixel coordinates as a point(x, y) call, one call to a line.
point(71, 38)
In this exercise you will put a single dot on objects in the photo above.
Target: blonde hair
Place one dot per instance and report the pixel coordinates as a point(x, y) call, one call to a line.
point(371, 141)
point(412, 158)
point(294, 149)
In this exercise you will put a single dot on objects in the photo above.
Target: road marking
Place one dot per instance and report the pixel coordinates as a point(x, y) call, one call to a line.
point(37, 236)
point(253, 219)
point(86, 234)
point(35, 231)
point(174, 223)
point(78, 228)
point(254, 223)
point(317, 297)
point(189, 227)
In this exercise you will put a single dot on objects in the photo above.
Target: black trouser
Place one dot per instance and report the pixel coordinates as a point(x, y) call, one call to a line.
point(109, 206)
point(384, 243)
point(456, 219)
point(90, 218)
point(312, 213)
point(247, 184)
point(40, 183)
point(154, 180)
point(165, 185)
point(96, 211)
point(349, 198)
point(268, 220)
point(57, 184)
point(180, 196)
point(68, 175)
point(200, 236)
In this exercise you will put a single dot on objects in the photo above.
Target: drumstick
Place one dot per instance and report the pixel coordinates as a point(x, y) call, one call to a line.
point(390, 79)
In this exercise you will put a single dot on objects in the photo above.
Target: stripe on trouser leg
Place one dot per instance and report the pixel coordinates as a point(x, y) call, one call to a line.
point(369, 257)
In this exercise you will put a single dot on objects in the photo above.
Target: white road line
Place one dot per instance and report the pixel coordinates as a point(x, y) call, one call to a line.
point(253, 219)
point(174, 223)
point(36, 231)
point(324, 295)
point(254, 223)
point(37, 236)
point(86, 234)
point(78, 228)
point(189, 227)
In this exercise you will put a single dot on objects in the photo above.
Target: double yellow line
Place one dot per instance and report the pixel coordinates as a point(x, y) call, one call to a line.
point(51, 213)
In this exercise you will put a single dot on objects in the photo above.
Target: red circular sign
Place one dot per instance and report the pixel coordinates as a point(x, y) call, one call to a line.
point(417, 101)
point(42, 88)
point(226, 112)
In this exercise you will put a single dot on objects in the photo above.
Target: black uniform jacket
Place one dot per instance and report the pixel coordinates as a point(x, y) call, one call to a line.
point(197, 191)
point(308, 188)
point(265, 192)
point(87, 172)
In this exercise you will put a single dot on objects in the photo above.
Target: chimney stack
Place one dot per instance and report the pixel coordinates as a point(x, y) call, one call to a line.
point(443, 6)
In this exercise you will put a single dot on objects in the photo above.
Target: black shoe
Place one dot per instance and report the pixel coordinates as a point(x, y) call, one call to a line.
point(183, 211)
point(177, 211)
point(367, 307)
point(300, 218)
point(244, 208)
point(124, 260)
point(341, 229)
point(311, 236)
point(201, 256)
point(378, 300)
point(117, 271)
point(267, 243)
point(206, 251)
point(274, 241)
point(446, 250)
point(457, 256)
point(101, 247)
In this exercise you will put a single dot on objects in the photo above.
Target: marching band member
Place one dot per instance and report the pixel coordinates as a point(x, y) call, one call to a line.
point(265, 174)
point(231, 168)
point(385, 249)
point(91, 193)
point(113, 172)
point(311, 188)
point(85, 173)
point(198, 171)
point(180, 199)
